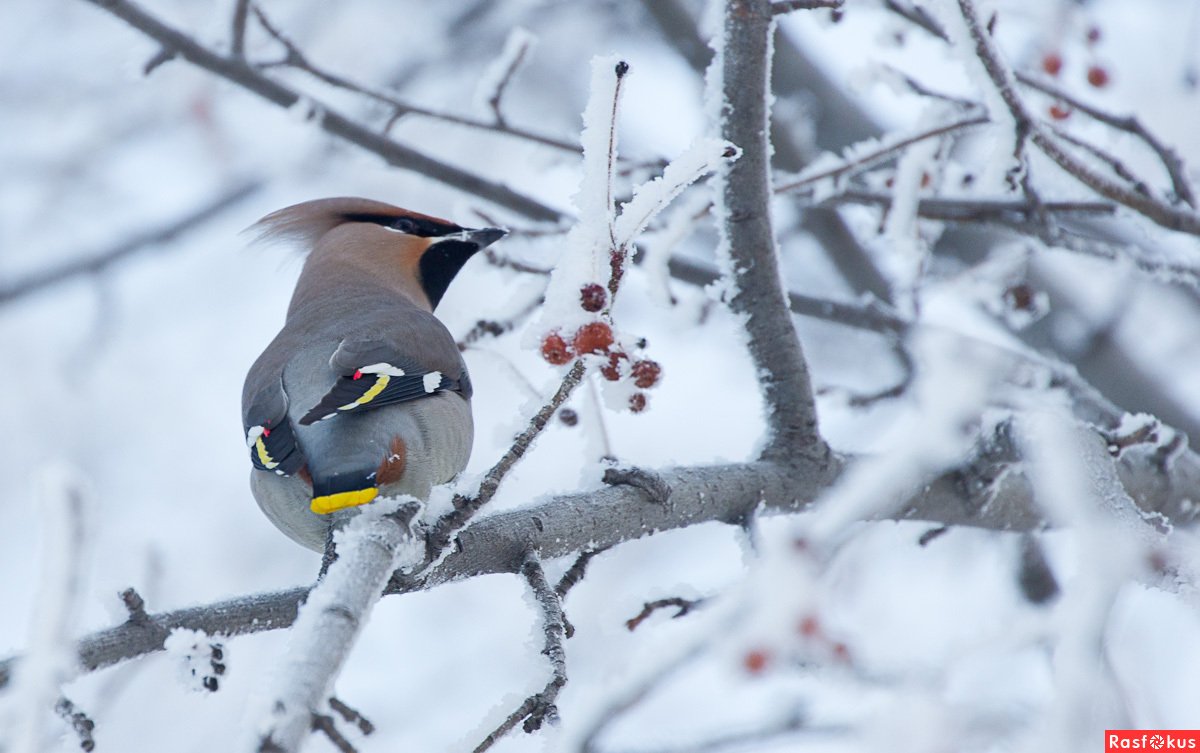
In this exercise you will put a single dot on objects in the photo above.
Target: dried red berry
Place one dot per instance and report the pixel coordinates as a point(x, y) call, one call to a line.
point(595, 337)
point(592, 297)
point(1020, 297)
point(555, 349)
point(637, 402)
point(612, 370)
point(1052, 63)
point(809, 627)
point(1097, 76)
point(1059, 111)
point(755, 661)
point(646, 373)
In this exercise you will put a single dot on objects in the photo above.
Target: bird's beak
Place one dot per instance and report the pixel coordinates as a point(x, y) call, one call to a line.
point(482, 238)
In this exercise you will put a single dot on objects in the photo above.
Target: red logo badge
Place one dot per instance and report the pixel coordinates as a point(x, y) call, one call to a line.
point(1151, 739)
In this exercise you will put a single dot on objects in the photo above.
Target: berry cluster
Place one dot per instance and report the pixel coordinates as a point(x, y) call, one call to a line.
point(596, 338)
point(1097, 74)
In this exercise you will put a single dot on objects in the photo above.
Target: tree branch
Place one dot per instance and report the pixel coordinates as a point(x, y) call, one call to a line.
point(1171, 217)
point(744, 221)
point(569, 524)
point(857, 162)
point(295, 58)
point(1129, 124)
point(370, 547)
point(141, 241)
point(329, 120)
point(539, 707)
point(237, 32)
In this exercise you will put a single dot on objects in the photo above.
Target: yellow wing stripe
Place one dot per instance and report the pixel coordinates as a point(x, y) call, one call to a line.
point(381, 382)
point(261, 448)
point(333, 502)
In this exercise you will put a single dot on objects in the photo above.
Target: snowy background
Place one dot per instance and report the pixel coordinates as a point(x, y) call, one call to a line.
point(131, 379)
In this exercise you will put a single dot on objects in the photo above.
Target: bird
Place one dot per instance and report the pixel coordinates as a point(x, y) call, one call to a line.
point(363, 392)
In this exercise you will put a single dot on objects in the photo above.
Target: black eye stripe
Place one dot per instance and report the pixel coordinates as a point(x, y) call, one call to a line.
point(411, 225)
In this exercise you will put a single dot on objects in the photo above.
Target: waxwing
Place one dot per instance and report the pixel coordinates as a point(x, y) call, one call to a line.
point(363, 392)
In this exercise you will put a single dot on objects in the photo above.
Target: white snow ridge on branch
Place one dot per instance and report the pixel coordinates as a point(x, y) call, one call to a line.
point(597, 247)
point(373, 545)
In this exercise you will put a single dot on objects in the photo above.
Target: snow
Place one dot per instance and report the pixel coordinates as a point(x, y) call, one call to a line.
point(519, 45)
point(134, 377)
point(50, 660)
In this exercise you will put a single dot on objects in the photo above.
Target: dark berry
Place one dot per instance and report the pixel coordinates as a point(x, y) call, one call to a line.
point(646, 373)
point(637, 402)
point(592, 297)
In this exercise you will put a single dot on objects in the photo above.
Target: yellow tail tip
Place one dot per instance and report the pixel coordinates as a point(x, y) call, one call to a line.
point(333, 502)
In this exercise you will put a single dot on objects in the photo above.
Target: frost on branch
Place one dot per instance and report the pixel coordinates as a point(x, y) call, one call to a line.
point(577, 320)
point(51, 659)
point(373, 545)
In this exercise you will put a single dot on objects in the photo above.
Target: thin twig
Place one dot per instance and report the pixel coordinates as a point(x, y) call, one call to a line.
point(789, 725)
point(331, 121)
point(1182, 219)
point(1129, 124)
point(870, 158)
point(135, 605)
point(237, 35)
point(975, 210)
point(508, 263)
point(465, 506)
point(539, 707)
point(621, 69)
point(576, 571)
point(918, 16)
point(79, 721)
point(142, 241)
point(1016, 216)
point(635, 696)
point(1114, 163)
point(650, 607)
point(352, 716)
point(495, 328)
point(324, 724)
point(787, 6)
point(514, 64)
point(295, 58)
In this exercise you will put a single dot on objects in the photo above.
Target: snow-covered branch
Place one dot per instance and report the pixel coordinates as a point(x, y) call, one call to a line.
point(569, 524)
point(236, 70)
point(370, 548)
point(1181, 218)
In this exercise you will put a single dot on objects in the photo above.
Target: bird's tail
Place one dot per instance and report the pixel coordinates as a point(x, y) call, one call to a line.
point(337, 491)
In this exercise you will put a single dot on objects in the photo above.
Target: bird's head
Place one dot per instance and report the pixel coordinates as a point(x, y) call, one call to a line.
point(383, 239)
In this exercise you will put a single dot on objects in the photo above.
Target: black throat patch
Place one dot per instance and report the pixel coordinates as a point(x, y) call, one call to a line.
point(440, 263)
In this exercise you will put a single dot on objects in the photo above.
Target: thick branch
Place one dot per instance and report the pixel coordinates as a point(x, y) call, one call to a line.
point(369, 549)
point(333, 122)
point(745, 224)
point(573, 523)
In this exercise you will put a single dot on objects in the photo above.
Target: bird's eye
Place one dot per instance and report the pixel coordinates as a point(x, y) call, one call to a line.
point(405, 225)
